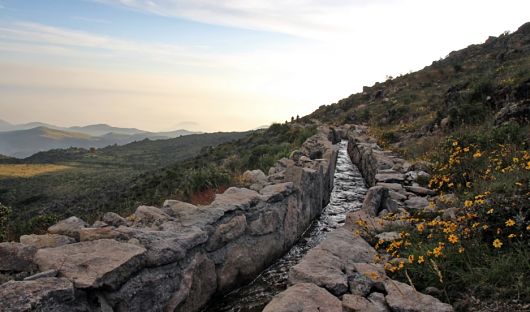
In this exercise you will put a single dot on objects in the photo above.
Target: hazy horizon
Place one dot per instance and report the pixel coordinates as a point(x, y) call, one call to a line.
point(219, 66)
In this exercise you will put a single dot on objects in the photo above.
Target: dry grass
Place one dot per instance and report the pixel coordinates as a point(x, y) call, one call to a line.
point(28, 170)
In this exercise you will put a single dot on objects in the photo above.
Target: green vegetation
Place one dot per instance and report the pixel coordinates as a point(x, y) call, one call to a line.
point(120, 178)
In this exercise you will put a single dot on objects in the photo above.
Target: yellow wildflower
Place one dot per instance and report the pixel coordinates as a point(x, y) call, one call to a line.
point(485, 227)
point(421, 260)
point(509, 222)
point(497, 243)
point(453, 239)
point(468, 203)
point(411, 258)
point(420, 227)
point(437, 251)
point(490, 211)
point(461, 250)
point(512, 235)
point(477, 154)
point(455, 143)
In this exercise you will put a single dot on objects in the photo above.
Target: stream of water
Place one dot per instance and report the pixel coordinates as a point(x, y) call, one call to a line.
point(347, 195)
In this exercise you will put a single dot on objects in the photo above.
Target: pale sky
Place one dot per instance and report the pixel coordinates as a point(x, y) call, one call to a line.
point(220, 64)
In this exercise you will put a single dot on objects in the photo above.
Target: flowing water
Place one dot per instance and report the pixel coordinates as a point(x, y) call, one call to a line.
point(347, 195)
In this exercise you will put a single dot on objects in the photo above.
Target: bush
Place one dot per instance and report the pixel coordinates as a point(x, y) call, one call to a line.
point(5, 212)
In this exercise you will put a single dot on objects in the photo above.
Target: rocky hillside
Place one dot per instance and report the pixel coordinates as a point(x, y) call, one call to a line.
point(472, 89)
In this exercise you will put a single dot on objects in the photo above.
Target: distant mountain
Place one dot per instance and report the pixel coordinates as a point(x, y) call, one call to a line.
point(23, 143)
point(102, 129)
point(23, 140)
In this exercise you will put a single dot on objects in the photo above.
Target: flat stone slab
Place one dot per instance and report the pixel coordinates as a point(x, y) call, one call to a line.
point(420, 190)
point(329, 264)
point(390, 177)
point(104, 262)
point(304, 297)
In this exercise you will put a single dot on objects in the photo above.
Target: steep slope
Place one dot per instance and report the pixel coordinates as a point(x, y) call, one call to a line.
point(479, 86)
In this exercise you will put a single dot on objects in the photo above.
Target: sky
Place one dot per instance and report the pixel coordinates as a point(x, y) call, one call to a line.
point(219, 65)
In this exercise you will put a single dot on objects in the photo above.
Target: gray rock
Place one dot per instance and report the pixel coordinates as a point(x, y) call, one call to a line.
point(359, 284)
point(416, 203)
point(17, 257)
point(420, 190)
point(165, 247)
point(379, 301)
point(357, 303)
point(304, 297)
point(397, 196)
point(374, 199)
point(267, 222)
point(44, 294)
point(114, 219)
point(449, 214)
point(90, 234)
point(202, 281)
point(330, 263)
point(103, 262)
point(46, 240)
point(421, 166)
point(277, 192)
point(236, 198)
point(388, 236)
point(150, 216)
point(69, 227)
point(403, 298)
point(227, 232)
point(390, 177)
point(254, 177)
point(99, 224)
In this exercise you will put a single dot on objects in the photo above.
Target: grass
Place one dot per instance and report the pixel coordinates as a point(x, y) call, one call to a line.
point(28, 170)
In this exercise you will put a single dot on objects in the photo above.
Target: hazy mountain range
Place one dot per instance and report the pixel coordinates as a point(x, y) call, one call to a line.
point(23, 140)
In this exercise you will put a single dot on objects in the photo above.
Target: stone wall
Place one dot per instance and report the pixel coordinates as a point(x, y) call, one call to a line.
point(344, 273)
point(178, 256)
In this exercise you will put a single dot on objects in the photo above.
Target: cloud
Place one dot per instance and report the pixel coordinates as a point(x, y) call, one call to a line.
point(304, 18)
point(37, 38)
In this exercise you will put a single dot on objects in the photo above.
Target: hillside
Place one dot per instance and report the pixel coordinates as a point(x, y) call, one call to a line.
point(470, 90)
point(89, 180)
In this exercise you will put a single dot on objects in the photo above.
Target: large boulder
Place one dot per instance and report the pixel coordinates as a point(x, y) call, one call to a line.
point(46, 240)
point(304, 297)
point(69, 227)
point(103, 262)
point(17, 257)
point(44, 294)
